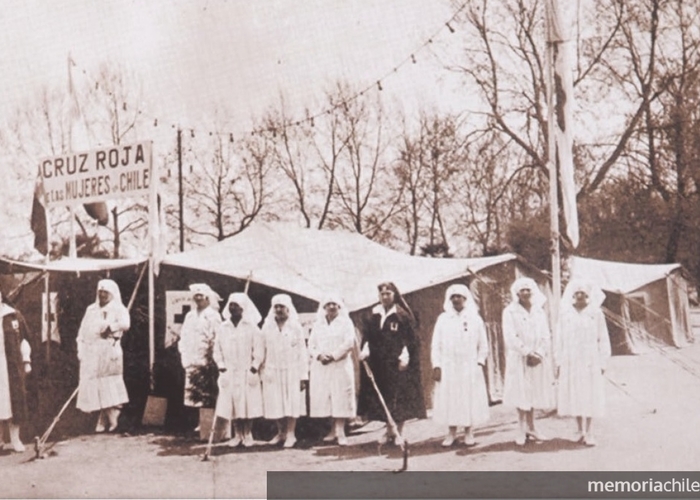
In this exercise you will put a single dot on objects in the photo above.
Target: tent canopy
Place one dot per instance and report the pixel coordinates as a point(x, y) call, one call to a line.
point(312, 262)
point(67, 265)
point(619, 277)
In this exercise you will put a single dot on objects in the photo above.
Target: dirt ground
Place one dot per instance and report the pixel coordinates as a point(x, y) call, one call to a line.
point(653, 423)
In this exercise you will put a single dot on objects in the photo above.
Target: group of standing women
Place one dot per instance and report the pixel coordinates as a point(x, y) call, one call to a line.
point(263, 371)
point(567, 376)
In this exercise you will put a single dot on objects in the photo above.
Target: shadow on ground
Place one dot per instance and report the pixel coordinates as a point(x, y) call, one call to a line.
point(550, 446)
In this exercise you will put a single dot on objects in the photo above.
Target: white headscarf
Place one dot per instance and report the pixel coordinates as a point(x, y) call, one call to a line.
point(596, 296)
point(250, 312)
point(110, 287)
point(463, 290)
point(328, 299)
point(5, 309)
point(286, 301)
point(537, 298)
point(206, 290)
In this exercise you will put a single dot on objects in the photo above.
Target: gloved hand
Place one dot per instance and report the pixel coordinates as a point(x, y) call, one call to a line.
point(304, 384)
point(403, 359)
point(364, 354)
point(27, 367)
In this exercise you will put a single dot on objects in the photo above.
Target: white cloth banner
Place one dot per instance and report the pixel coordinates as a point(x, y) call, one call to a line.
point(559, 23)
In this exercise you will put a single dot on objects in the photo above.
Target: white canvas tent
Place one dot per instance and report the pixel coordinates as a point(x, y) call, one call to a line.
point(308, 263)
point(645, 302)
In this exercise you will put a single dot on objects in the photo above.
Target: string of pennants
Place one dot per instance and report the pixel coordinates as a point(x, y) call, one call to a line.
point(309, 119)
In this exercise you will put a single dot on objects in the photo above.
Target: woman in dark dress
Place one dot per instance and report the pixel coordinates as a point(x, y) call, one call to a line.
point(392, 350)
point(15, 364)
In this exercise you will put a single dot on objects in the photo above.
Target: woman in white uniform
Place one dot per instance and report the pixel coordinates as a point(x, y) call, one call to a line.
point(285, 368)
point(581, 354)
point(458, 353)
point(529, 377)
point(238, 352)
point(101, 384)
point(332, 376)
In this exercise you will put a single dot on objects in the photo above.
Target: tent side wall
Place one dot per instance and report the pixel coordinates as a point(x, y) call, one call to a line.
point(679, 306)
point(651, 304)
point(624, 338)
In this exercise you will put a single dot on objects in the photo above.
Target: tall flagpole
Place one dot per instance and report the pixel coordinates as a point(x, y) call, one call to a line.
point(553, 170)
point(73, 251)
point(152, 221)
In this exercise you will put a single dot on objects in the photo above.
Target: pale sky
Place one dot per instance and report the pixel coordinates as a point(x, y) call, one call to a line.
point(193, 55)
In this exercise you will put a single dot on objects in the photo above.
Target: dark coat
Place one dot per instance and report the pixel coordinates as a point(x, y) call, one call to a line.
point(14, 329)
point(402, 390)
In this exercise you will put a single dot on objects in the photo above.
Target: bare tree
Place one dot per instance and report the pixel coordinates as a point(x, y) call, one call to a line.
point(506, 64)
point(360, 167)
point(111, 112)
point(428, 164)
point(228, 187)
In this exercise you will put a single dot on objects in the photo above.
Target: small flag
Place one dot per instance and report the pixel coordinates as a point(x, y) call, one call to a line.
point(39, 220)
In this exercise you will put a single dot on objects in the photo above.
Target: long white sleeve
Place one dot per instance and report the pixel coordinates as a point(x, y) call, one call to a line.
point(559, 341)
point(26, 351)
point(436, 344)
point(82, 332)
point(483, 343)
point(184, 345)
point(544, 341)
point(258, 354)
point(314, 350)
point(303, 357)
point(604, 349)
point(218, 351)
point(119, 321)
point(348, 342)
point(510, 335)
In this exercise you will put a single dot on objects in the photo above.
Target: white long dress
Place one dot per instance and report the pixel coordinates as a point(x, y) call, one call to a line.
point(527, 387)
point(459, 344)
point(237, 349)
point(101, 360)
point(285, 365)
point(5, 402)
point(332, 385)
point(196, 340)
point(582, 352)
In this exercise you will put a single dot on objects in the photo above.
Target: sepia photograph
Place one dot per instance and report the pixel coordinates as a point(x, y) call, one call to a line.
point(350, 249)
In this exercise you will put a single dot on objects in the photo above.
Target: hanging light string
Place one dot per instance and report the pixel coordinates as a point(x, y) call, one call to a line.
point(310, 119)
